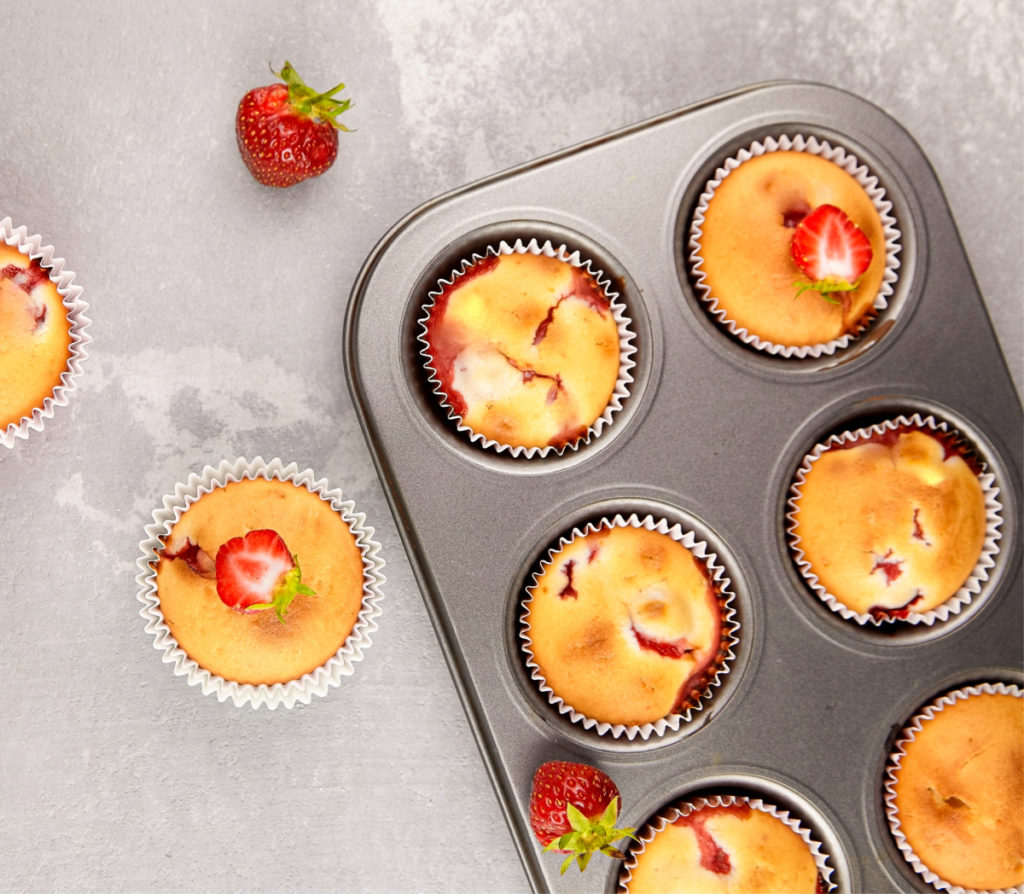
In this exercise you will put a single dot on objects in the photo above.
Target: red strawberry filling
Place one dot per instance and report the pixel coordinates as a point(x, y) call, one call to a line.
point(898, 613)
point(713, 857)
point(675, 648)
point(888, 566)
point(194, 556)
point(791, 217)
point(530, 374)
point(918, 530)
point(26, 279)
point(568, 590)
point(951, 445)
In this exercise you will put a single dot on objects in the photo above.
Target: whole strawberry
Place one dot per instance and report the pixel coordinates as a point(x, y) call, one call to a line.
point(288, 132)
point(573, 809)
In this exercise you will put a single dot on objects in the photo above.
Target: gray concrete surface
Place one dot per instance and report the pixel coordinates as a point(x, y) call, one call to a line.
point(217, 308)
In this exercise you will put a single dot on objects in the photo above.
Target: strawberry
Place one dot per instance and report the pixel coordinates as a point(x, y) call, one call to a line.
point(573, 808)
point(288, 132)
point(257, 572)
point(830, 250)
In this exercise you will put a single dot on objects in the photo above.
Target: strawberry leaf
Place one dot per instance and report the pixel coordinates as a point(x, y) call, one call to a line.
point(577, 820)
point(825, 288)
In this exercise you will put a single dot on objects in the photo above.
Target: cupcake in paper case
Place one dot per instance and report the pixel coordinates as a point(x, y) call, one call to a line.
point(895, 522)
point(793, 247)
point(725, 844)
point(528, 349)
point(42, 333)
point(628, 626)
point(954, 790)
point(260, 583)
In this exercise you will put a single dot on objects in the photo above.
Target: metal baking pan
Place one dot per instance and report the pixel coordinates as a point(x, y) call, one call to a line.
point(709, 436)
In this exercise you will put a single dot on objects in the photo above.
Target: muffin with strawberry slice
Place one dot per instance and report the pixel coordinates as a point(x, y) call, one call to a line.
point(261, 583)
point(41, 333)
point(793, 247)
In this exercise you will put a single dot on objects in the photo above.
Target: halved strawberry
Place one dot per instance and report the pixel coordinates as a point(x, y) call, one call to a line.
point(257, 571)
point(831, 250)
point(573, 809)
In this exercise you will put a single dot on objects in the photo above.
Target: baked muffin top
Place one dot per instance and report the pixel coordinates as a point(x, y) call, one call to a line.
point(624, 624)
point(959, 791)
point(728, 849)
point(35, 336)
point(525, 349)
point(890, 524)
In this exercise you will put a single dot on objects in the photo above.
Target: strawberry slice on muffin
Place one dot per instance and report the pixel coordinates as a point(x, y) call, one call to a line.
point(254, 572)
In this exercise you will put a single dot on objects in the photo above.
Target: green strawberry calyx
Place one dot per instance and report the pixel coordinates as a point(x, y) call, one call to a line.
point(590, 835)
point(288, 587)
point(310, 103)
point(826, 287)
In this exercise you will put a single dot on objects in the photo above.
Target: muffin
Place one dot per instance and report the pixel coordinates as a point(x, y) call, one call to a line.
point(628, 625)
point(41, 334)
point(527, 350)
point(895, 522)
point(721, 845)
point(955, 790)
point(759, 206)
point(262, 583)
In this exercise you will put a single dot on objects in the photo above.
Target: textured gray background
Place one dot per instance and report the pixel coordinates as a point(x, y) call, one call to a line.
point(217, 309)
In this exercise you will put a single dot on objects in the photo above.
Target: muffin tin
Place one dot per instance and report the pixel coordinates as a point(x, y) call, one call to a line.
point(709, 437)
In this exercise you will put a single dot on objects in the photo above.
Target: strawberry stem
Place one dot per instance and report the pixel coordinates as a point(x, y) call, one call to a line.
point(307, 102)
point(590, 835)
point(289, 586)
point(825, 288)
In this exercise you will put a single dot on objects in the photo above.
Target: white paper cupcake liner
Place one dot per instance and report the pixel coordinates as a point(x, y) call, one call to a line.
point(316, 682)
point(908, 735)
point(986, 560)
point(32, 247)
point(688, 806)
point(730, 631)
point(849, 163)
point(622, 321)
